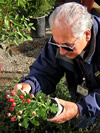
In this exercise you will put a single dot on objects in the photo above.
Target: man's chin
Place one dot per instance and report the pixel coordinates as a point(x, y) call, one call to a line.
point(71, 56)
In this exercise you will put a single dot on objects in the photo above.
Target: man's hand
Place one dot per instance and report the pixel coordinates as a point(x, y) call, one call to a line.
point(70, 111)
point(24, 87)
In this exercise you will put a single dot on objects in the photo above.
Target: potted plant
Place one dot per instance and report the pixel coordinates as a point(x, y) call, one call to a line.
point(50, 114)
point(25, 108)
point(13, 23)
point(37, 10)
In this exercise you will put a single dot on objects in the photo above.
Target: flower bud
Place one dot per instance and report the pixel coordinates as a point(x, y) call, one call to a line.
point(23, 101)
point(32, 96)
point(33, 113)
point(12, 93)
point(11, 109)
point(13, 118)
point(8, 114)
point(18, 117)
point(13, 104)
point(20, 112)
point(21, 96)
point(7, 96)
point(11, 99)
point(28, 100)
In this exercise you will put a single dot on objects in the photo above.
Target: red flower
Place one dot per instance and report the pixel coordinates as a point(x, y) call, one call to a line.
point(11, 99)
point(11, 109)
point(13, 104)
point(28, 100)
point(13, 118)
point(21, 96)
point(12, 93)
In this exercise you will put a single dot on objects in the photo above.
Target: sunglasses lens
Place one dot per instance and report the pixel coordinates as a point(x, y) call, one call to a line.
point(67, 48)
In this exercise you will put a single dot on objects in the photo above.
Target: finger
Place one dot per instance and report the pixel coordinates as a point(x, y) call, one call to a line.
point(58, 119)
point(62, 102)
point(17, 87)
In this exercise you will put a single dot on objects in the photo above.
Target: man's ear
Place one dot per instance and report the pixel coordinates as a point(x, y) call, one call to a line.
point(88, 35)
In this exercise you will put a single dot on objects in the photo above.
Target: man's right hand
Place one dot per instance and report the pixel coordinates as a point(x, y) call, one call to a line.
point(24, 87)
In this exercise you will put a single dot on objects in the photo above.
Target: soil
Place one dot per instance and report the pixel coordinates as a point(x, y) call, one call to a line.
point(17, 65)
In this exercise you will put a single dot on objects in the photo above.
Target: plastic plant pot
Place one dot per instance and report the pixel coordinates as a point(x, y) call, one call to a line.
point(51, 115)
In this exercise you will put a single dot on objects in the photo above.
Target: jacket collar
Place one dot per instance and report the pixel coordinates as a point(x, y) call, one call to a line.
point(92, 44)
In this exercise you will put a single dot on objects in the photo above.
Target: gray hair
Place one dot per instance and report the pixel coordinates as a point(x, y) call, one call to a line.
point(73, 14)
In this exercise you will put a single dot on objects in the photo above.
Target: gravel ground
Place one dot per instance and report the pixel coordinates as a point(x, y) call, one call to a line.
point(23, 56)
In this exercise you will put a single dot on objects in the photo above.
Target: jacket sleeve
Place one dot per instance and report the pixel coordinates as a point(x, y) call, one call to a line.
point(90, 105)
point(45, 72)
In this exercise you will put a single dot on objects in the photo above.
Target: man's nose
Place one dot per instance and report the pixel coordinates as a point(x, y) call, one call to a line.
point(62, 51)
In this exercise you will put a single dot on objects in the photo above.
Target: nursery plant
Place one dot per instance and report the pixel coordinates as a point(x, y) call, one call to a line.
point(25, 108)
point(14, 25)
point(37, 8)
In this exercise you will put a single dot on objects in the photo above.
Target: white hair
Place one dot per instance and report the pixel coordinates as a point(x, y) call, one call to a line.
point(73, 14)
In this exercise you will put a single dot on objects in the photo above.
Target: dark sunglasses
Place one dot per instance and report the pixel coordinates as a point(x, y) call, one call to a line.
point(68, 48)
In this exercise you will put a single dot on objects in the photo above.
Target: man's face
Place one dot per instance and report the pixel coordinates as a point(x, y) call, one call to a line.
point(65, 37)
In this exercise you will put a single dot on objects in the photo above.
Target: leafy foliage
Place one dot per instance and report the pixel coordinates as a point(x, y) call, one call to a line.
point(45, 127)
point(26, 108)
point(36, 8)
point(15, 19)
point(13, 23)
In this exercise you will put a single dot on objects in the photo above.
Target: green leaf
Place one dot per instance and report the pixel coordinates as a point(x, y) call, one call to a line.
point(25, 123)
point(19, 92)
point(27, 26)
point(20, 33)
point(43, 113)
point(30, 24)
point(36, 123)
point(33, 28)
point(6, 21)
point(23, 39)
point(29, 37)
point(54, 108)
point(17, 42)
point(11, 45)
point(48, 101)
point(16, 35)
point(41, 96)
point(16, 17)
point(2, 1)
point(11, 33)
point(3, 37)
point(10, 52)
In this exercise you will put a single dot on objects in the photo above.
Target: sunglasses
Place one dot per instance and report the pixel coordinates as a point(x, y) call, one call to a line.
point(68, 48)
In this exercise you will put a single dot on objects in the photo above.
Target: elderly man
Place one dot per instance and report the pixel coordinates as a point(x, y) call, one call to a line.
point(73, 49)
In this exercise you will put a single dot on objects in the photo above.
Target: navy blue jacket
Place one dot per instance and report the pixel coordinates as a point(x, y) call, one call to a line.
point(50, 67)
